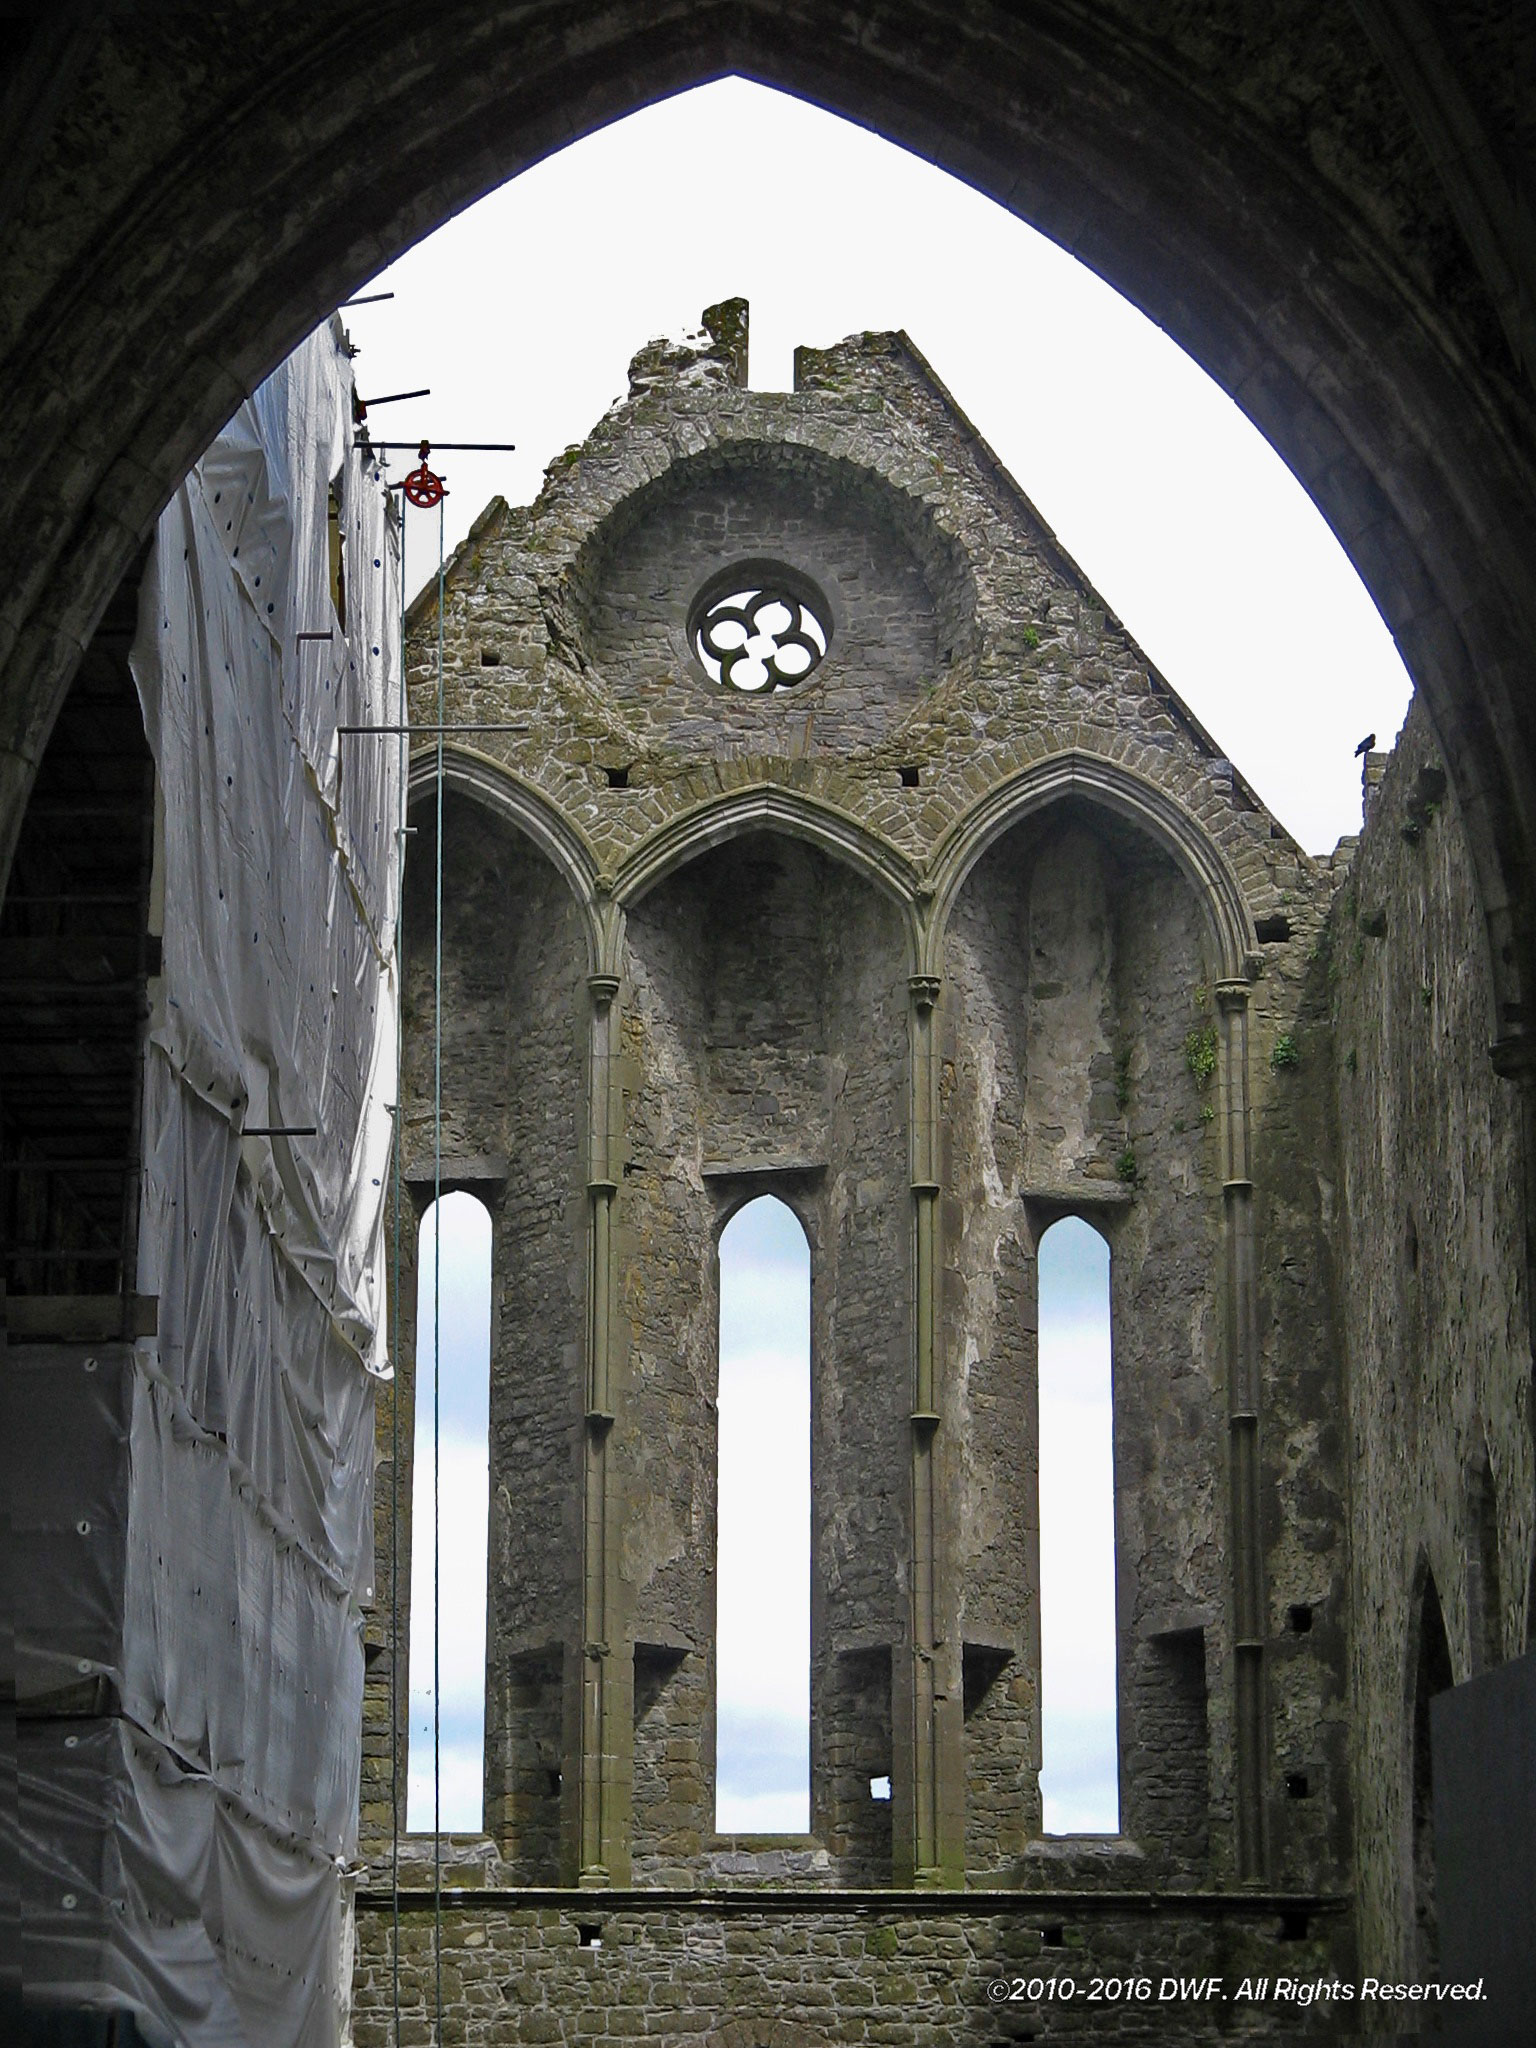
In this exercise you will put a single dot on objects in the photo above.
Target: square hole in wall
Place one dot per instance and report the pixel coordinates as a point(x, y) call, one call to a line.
point(909, 777)
point(1297, 1785)
point(1272, 931)
point(589, 1934)
point(1053, 1936)
point(618, 778)
point(879, 1788)
point(1298, 1619)
point(490, 657)
point(1295, 1925)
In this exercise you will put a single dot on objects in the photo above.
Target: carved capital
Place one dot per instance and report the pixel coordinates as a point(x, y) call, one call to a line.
point(1232, 995)
point(925, 989)
point(604, 988)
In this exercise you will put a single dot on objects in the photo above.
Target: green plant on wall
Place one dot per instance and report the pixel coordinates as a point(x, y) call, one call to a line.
point(1127, 1168)
point(1200, 1055)
point(1285, 1052)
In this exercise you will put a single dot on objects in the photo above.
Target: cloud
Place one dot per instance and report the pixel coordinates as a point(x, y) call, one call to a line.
point(463, 1486)
point(1079, 1781)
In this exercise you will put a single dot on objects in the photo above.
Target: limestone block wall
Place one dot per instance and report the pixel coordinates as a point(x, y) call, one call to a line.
point(806, 1973)
point(1434, 1303)
point(1303, 1284)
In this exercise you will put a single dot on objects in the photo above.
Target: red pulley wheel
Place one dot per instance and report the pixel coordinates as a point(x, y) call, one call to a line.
point(423, 488)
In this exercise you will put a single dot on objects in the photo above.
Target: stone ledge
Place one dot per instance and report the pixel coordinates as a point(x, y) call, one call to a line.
point(821, 1901)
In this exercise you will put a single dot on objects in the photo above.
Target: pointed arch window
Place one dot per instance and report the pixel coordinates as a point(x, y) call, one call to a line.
point(1080, 1754)
point(763, 1525)
point(448, 1532)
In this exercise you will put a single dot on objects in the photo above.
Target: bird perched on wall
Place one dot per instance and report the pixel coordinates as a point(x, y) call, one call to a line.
point(1365, 745)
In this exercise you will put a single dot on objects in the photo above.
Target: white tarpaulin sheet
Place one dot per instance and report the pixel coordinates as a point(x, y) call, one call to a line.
point(200, 1835)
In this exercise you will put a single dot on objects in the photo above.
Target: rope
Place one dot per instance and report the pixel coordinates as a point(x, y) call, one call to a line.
point(394, 1350)
point(437, 1279)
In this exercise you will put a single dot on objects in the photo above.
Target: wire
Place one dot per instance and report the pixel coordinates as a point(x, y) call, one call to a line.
point(437, 1279)
point(394, 1396)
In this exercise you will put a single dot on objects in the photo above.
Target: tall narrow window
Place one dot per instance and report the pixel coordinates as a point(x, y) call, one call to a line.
point(1080, 1772)
point(763, 1555)
point(453, 1271)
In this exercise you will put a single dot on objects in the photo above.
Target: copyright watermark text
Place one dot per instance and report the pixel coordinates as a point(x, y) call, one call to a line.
point(1062, 1989)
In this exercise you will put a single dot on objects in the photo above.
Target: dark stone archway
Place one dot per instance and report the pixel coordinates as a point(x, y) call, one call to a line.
point(185, 195)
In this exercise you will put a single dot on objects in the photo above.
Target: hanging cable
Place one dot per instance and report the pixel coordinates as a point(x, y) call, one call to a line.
point(437, 1278)
point(401, 769)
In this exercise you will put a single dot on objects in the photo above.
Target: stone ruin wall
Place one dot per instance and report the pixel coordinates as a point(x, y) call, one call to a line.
point(763, 1047)
point(1431, 1251)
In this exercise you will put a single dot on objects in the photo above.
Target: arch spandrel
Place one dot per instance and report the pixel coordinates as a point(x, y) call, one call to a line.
point(1076, 772)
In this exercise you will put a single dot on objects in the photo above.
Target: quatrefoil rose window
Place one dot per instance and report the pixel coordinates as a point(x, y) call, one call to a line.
point(759, 628)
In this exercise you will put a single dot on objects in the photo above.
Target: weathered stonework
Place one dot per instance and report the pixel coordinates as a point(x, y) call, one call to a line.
point(971, 930)
point(1436, 1315)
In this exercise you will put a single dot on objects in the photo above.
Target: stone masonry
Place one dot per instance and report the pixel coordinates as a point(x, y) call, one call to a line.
point(970, 930)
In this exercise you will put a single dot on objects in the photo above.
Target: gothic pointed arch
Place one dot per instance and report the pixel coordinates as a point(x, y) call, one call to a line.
point(502, 791)
point(1076, 772)
point(769, 807)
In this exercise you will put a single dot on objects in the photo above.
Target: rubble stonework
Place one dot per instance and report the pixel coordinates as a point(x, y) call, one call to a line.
point(972, 929)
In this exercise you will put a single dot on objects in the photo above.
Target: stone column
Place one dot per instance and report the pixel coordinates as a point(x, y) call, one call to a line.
point(601, 1753)
point(1242, 1354)
point(928, 1764)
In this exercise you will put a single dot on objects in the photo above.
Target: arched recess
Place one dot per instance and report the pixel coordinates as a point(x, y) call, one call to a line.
point(1137, 147)
point(1429, 1672)
point(1078, 773)
point(506, 795)
point(769, 807)
point(765, 1006)
point(516, 948)
point(1081, 963)
point(881, 494)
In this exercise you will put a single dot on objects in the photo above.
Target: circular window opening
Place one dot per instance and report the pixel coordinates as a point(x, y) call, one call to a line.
point(759, 627)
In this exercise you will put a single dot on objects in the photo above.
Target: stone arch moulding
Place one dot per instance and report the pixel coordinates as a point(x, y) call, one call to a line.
point(1075, 772)
point(766, 807)
point(505, 793)
point(731, 447)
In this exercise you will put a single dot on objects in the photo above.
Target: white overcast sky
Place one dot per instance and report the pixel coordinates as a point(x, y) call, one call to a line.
point(522, 315)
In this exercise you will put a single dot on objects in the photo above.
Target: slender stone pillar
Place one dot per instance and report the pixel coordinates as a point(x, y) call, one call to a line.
point(928, 1766)
point(602, 1773)
point(1242, 1349)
